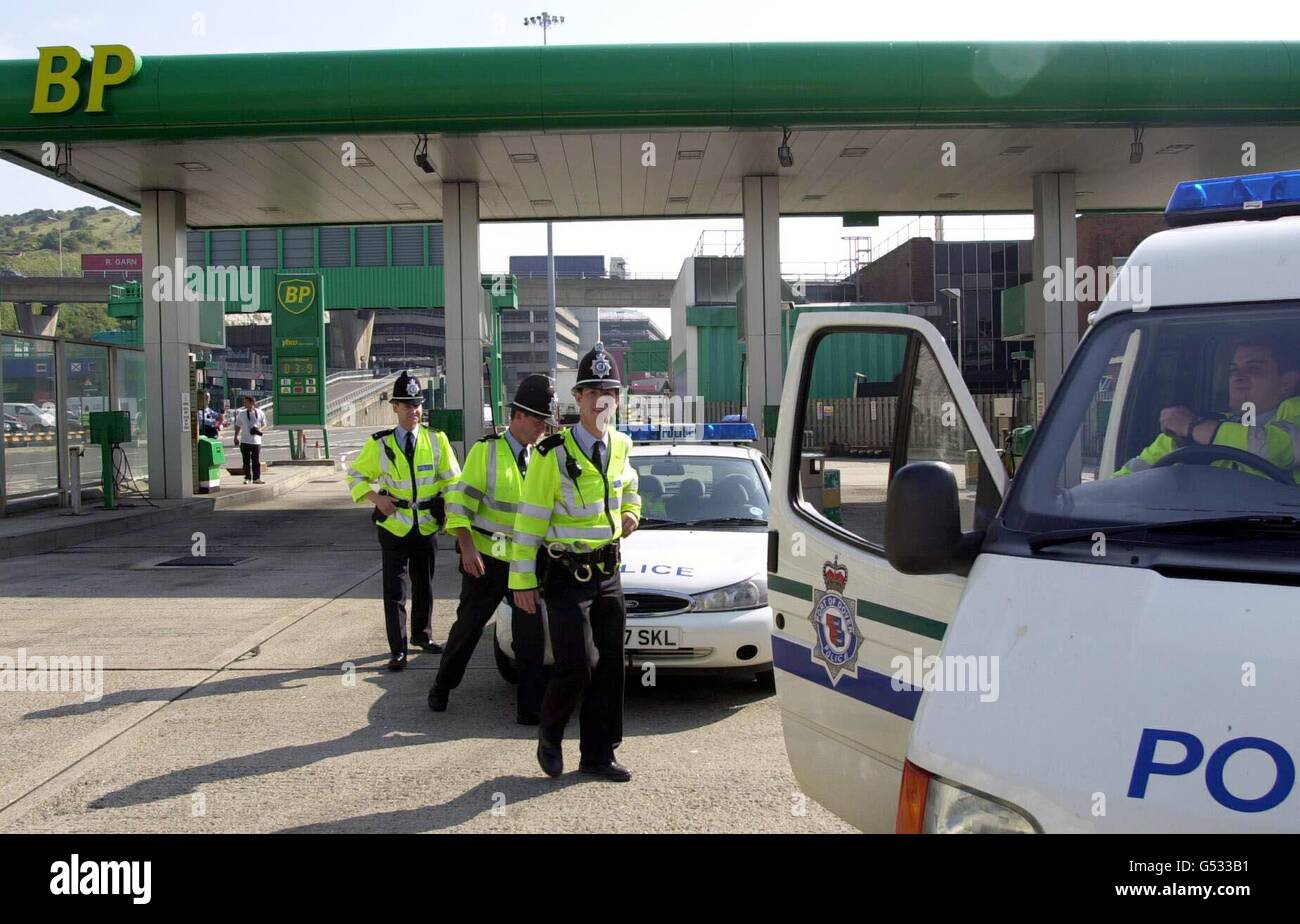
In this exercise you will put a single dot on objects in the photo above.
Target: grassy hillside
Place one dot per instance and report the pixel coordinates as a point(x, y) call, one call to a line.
point(29, 244)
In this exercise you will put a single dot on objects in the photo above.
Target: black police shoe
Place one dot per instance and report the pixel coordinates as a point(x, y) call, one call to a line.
point(551, 758)
point(397, 662)
point(612, 771)
point(437, 699)
point(426, 645)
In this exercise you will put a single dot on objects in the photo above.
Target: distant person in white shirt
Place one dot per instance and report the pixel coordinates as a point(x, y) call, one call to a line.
point(249, 424)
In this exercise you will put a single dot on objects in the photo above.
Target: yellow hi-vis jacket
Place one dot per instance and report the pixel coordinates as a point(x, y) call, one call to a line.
point(581, 512)
point(382, 464)
point(486, 495)
point(1275, 437)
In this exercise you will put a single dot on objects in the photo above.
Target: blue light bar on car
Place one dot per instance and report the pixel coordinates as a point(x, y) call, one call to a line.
point(709, 432)
point(731, 432)
point(1233, 198)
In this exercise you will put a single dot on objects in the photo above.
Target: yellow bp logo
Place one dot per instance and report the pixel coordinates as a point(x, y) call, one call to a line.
point(296, 295)
point(834, 620)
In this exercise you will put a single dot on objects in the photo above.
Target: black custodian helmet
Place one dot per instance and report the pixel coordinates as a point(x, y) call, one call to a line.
point(407, 388)
point(536, 397)
point(597, 370)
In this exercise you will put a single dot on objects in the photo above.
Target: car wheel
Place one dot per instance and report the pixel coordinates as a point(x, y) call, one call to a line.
point(506, 667)
point(766, 680)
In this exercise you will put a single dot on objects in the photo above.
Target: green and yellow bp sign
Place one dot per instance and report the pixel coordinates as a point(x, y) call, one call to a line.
point(298, 350)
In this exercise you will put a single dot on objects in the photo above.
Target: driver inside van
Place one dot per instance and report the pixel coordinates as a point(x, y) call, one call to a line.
point(1262, 383)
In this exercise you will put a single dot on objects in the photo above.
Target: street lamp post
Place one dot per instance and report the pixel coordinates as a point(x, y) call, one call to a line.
point(546, 21)
point(60, 224)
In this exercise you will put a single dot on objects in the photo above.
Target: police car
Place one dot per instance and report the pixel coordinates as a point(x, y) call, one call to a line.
point(1108, 640)
point(694, 573)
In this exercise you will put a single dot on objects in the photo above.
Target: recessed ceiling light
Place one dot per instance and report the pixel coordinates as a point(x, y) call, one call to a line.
point(1082, 192)
point(689, 155)
point(1174, 149)
point(194, 166)
point(947, 195)
point(679, 199)
point(814, 197)
point(540, 203)
point(406, 205)
point(524, 158)
point(854, 152)
point(1015, 149)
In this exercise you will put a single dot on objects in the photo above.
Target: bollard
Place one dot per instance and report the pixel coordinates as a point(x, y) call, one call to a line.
point(74, 478)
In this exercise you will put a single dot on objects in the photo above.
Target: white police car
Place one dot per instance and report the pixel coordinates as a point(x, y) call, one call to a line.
point(694, 573)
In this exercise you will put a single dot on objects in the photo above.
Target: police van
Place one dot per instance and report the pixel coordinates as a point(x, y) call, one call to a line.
point(694, 573)
point(1107, 640)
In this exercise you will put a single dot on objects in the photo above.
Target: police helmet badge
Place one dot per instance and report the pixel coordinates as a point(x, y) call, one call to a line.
point(601, 365)
point(834, 621)
point(412, 387)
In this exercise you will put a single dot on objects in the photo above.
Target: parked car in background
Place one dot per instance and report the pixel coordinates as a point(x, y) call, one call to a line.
point(31, 416)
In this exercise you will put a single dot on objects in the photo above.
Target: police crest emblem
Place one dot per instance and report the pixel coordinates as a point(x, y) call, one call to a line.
point(600, 364)
point(834, 620)
point(412, 387)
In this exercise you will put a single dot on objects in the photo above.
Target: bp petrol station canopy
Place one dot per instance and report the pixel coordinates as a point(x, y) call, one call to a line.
point(558, 132)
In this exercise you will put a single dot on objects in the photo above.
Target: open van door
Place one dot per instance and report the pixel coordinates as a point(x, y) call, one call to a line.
point(865, 394)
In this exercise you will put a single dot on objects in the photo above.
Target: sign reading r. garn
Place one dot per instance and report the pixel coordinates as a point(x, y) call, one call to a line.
point(58, 88)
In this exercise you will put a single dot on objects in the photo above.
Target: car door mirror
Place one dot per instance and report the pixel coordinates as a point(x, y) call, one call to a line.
point(923, 522)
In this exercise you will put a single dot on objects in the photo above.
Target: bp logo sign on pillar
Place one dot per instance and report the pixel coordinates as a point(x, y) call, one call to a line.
point(296, 295)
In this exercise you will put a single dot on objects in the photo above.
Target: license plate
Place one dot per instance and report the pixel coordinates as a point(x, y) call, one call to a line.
point(647, 637)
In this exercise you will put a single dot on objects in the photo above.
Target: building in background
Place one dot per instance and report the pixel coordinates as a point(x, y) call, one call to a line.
point(524, 343)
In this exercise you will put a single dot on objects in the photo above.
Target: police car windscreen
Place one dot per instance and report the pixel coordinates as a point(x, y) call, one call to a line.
point(678, 490)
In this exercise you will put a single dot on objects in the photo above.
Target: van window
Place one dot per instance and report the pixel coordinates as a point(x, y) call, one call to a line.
point(937, 432)
point(852, 390)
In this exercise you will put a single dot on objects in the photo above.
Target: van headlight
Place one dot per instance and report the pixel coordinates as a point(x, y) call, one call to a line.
point(748, 594)
point(950, 809)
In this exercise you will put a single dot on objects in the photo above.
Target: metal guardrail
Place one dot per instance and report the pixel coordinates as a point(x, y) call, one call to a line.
point(267, 404)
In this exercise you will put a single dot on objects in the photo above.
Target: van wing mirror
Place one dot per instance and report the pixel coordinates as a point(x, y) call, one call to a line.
point(923, 522)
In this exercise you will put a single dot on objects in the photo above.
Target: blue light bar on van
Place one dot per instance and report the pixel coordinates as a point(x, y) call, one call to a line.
point(1233, 198)
point(705, 433)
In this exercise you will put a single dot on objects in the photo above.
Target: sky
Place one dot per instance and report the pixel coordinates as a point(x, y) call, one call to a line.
point(167, 27)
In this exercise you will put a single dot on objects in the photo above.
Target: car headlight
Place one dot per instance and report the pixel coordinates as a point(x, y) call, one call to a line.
point(748, 594)
point(950, 809)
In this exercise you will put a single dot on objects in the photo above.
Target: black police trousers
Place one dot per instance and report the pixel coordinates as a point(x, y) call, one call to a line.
point(585, 618)
point(479, 599)
point(414, 553)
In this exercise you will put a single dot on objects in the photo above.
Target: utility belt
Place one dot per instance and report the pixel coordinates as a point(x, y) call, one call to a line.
point(582, 565)
point(437, 504)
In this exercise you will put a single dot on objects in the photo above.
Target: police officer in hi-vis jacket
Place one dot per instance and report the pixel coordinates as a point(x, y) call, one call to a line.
point(481, 508)
point(579, 498)
point(402, 471)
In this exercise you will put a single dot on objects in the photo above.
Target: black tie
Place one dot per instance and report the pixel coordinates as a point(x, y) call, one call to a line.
point(523, 460)
point(595, 456)
point(410, 452)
